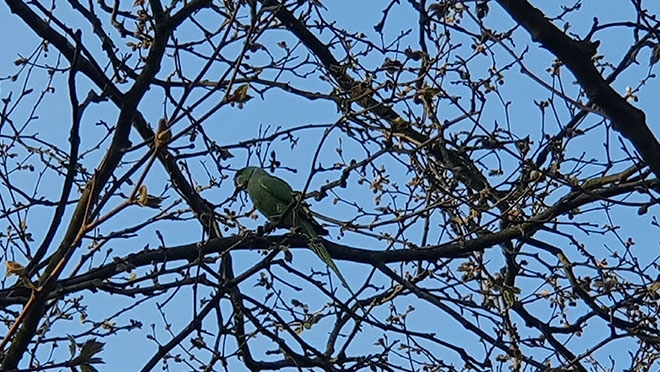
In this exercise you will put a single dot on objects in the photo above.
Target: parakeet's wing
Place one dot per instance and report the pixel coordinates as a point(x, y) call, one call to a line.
point(277, 188)
point(270, 195)
point(300, 216)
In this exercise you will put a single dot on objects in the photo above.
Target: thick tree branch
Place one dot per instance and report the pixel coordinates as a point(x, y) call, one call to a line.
point(454, 160)
point(577, 56)
point(33, 310)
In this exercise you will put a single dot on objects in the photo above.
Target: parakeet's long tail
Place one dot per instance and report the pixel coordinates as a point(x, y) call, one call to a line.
point(320, 250)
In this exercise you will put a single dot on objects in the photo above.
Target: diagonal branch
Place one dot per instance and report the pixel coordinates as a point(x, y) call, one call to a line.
point(33, 310)
point(459, 163)
point(577, 56)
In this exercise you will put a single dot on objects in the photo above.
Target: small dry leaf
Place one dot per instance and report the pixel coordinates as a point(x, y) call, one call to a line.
point(146, 200)
point(14, 268)
point(20, 61)
point(142, 195)
point(240, 95)
point(163, 135)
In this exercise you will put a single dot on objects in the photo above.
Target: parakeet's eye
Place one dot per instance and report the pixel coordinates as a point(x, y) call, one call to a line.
point(240, 182)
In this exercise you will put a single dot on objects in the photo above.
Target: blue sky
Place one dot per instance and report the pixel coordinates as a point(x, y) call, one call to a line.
point(277, 109)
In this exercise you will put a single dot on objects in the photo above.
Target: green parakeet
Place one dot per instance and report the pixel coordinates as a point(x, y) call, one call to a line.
point(273, 197)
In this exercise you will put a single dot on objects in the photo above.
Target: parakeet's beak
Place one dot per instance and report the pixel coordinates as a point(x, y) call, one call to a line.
point(239, 184)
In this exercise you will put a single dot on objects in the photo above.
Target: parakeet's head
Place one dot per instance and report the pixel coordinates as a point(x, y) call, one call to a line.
point(242, 177)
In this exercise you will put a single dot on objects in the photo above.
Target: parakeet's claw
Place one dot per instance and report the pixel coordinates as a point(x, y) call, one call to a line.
point(298, 230)
point(268, 228)
point(245, 233)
